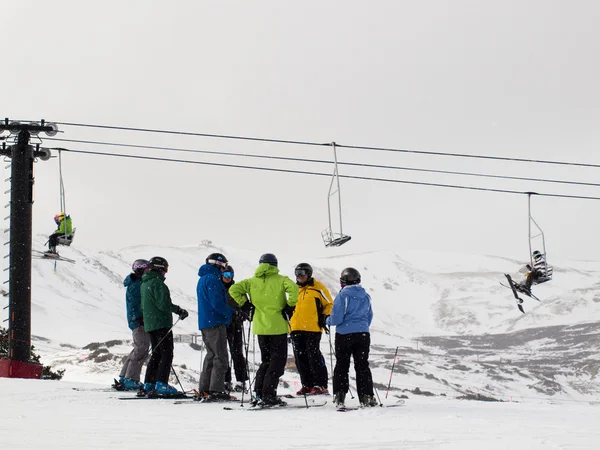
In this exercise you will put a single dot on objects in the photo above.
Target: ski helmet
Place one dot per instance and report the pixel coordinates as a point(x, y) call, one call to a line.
point(303, 269)
point(349, 276)
point(537, 254)
point(217, 259)
point(158, 264)
point(139, 265)
point(228, 273)
point(268, 258)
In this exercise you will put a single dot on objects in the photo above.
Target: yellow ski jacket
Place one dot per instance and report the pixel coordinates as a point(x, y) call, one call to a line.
point(314, 300)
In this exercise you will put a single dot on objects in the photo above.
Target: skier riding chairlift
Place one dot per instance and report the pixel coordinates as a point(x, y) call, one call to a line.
point(540, 273)
point(63, 235)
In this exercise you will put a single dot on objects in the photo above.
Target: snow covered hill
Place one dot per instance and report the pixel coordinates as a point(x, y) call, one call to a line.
point(458, 330)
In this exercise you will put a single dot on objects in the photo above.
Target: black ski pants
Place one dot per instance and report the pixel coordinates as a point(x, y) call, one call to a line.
point(355, 345)
point(273, 354)
point(159, 366)
point(235, 339)
point(309, 359)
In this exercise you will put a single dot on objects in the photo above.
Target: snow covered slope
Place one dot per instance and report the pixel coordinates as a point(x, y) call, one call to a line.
point(64, 418)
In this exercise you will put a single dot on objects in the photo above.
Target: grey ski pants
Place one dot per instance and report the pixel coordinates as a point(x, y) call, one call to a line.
point(216, 362)
point(132, 367)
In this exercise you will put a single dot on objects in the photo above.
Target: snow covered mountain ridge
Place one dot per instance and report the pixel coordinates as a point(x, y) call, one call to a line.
point(456, 326)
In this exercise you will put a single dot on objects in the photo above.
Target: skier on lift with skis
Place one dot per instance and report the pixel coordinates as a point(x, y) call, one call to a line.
point(539, 273)
point(65, 228)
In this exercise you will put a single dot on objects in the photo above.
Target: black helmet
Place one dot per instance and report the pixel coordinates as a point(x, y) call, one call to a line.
point(228, 272)
point(537, 255)
point(217, 259)
point(139, 265)
point(159, 264)
point(268, 258)
point(349, 276)
point(303, 269)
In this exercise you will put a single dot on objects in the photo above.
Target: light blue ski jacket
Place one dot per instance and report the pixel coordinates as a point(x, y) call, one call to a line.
point(352, 312)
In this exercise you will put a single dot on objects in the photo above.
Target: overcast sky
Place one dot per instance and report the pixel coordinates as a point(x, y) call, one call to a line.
point(501, 78)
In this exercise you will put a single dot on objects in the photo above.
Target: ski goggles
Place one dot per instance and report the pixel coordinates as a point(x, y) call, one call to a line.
point(301, 272)
point(227, 274)
point(216, 262)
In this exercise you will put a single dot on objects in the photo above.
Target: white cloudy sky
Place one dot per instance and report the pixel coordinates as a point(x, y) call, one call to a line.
point(504, 78)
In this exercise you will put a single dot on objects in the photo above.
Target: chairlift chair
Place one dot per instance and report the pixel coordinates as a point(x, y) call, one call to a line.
point(332, 238)
point(546, 270)
point(66, 239)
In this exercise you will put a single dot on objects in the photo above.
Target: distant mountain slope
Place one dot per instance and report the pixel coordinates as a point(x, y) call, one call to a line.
point(416, 293)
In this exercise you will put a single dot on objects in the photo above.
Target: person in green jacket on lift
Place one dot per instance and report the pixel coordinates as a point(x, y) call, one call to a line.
point(65, 228)
point(273, 297)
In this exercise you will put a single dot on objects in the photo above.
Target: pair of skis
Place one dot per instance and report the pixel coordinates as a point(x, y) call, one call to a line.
point(515, 290)
point(311, 404)
point(51, 256)
point(355, 408)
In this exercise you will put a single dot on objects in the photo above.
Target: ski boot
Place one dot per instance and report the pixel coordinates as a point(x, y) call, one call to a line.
point(165, 390)
point(304, 390)
point(131, 385)
point(318, 390)
point(339, 399)
point(240, 386)
point(368, 401)
point(271, 402)
point(146, 390)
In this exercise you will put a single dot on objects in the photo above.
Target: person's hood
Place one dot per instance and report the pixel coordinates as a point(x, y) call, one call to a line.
point(130, 279)
point(209, 269)
point(265, 269)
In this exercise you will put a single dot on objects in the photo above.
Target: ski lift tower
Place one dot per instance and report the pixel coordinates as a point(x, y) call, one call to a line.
point(330, 237)
point(22, 156)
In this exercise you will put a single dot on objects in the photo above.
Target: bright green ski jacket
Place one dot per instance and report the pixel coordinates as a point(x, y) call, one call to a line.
point(65, 227)
point(267, 290)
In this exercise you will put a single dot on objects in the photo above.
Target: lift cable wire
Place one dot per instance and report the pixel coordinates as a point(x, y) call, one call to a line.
point(355, 147)
point(188, 133)
point(341, 163)
point(303, 172)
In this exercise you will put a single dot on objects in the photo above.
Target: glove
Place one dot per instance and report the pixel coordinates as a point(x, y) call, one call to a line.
point(322, 320)
point(247, 310)
point(182, 313)
point(287, 312)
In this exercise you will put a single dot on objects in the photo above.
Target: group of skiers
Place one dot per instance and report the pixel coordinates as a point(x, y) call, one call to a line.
point(275, 306)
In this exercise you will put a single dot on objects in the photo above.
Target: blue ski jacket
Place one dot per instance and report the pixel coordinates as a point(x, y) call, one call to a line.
point(213, 308)
point(133, 300)
point(352, 312)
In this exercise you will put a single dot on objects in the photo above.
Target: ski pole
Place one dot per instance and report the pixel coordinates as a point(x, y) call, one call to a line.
point(201, 361)
point(160, 342)
point(379, 399)
point(391, 374)
point(330, 354)
point(177, 378)
point(296, 361)
point(350, 391)
point(247, 367)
